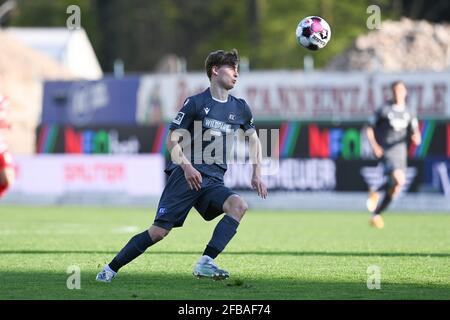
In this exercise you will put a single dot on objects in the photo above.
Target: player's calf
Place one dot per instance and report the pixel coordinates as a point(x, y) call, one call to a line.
point(134, 248)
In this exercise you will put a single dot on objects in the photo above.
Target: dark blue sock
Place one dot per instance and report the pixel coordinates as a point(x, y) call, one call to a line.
point(223, 233)
point(383, 187)
point(134, 248)
point(384, 203)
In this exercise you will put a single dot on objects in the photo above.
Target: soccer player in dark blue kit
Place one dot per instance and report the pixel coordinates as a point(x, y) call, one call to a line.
point(203, 125)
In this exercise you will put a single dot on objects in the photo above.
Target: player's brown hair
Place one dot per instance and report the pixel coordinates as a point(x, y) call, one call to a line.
point(396, 83)
point(221, 58)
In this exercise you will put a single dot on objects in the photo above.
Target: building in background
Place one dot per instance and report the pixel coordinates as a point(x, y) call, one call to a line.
point(23, 71)
point(71, 48)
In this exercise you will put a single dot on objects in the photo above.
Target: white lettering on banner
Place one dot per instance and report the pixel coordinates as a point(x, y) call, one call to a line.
point(313, 101)
point(294, 174)
point(130, 146)
point(318, 95)
point(87, 98)
point(54, 175)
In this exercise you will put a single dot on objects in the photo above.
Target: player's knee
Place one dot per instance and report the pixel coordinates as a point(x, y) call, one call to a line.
point(6, 177)
point(10, 177)
point(399, 182)
point(397, 187)
point(239, 209)
point(157, 233)
point(3, 179)
point(235, 207)
point(398, 179)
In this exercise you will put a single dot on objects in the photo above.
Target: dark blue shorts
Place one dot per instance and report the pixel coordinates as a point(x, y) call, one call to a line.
point(177, 200)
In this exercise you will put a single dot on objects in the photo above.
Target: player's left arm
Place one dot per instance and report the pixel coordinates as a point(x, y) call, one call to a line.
point(416, 137)
point(255, 152)
point(256, 160)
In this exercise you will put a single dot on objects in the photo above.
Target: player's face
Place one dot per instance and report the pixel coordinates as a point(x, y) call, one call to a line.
point(399, 91)
point(227, 76)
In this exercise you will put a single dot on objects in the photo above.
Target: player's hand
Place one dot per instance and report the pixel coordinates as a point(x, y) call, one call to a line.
point(416, 138)
point(378, 151)
point(259, 186)
point(193, 177)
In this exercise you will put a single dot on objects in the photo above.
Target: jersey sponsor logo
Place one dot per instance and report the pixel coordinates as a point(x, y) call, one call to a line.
point(216, 124)
point(398, 123)
point(231, 117)
point(178, 118)
point(206, 110)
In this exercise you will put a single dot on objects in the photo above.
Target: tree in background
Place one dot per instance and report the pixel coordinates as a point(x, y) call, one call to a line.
point(142, 32)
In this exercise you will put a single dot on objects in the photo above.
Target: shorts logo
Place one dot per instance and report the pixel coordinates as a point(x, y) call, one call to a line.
point(162, 210)
point(231, 117)
point(178, 118)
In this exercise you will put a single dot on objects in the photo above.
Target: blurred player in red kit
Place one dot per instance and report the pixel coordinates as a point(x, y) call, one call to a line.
point(7, 172)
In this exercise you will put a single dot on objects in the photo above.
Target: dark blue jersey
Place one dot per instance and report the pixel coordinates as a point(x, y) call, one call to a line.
point(212, 125)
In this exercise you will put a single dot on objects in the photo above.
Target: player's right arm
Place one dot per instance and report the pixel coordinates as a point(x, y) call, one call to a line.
point(377, 149)
point(178, 130)
point(193, 177)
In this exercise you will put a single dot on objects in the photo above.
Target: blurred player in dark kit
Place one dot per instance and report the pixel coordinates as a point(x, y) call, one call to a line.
point(389, 132)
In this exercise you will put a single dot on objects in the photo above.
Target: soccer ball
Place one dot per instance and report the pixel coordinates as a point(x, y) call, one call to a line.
point(313, 33)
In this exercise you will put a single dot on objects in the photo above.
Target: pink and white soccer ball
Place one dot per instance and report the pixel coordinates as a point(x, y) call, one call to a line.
point(313, 33)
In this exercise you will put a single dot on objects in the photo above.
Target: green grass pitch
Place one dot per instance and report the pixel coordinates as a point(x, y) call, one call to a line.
point(274, 255)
